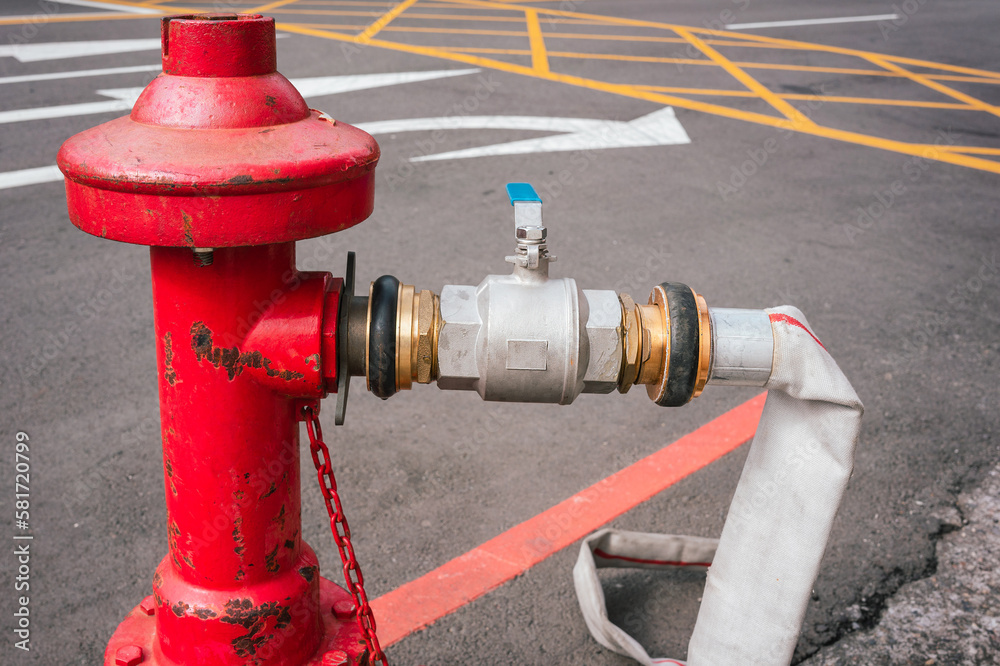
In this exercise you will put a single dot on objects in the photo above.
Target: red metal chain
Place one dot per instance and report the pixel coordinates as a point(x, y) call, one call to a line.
point(342, 536)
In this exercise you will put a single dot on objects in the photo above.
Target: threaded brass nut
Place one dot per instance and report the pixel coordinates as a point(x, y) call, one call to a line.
point(427, 325)
point(631, 343)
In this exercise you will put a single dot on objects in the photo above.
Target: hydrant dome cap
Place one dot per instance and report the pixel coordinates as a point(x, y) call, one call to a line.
point(220, 150)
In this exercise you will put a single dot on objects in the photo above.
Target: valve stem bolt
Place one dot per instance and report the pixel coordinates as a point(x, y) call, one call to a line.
point(531, 233)
point(203, 256)
point(344, 609)
point(130, 655)
point(335, 658)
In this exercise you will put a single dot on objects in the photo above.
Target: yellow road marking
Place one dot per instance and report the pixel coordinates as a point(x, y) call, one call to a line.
point(384, 20)
point(471, 18)
point(689, 61)
point(751, 83)
point(539, 60)
point(616, 20)
point(975, 150)
point(657, 40)
point(859, 54)
point(124, 3)
point(934, 85)
point(443, 31)
point(916, 150)
point(550, 76)
point(952, 155)
point(270, 6)
point(821, 98)
point(363, 3)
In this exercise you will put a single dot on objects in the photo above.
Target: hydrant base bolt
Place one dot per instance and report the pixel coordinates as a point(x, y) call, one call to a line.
point(148, 606)
point(344, 610)
point(335, 658)
point(130, 655)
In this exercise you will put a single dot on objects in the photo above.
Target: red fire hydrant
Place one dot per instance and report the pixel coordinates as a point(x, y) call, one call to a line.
point(220, 168)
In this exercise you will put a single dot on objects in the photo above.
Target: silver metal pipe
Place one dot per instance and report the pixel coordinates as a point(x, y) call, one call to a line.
point(742, 347)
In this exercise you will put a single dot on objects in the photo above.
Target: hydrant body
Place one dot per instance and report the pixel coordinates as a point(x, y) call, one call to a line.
point(220, 168)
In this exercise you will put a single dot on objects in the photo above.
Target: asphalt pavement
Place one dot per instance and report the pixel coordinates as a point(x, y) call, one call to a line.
point(876, 215)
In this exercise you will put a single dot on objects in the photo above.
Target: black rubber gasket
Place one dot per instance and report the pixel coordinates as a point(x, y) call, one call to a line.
point(682, 371)
point(382, 337)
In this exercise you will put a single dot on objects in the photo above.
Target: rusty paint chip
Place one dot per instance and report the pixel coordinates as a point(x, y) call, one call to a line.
point(271, 560)
point(205, 613)
point(168, 360)
point(243, 613)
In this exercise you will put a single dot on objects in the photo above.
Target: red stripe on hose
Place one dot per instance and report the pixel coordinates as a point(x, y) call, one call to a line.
point(795, 322)
point(667, 563)
point(414, 605)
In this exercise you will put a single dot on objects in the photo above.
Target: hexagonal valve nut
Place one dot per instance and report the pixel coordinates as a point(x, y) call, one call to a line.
point(604, 336)
point(460, 324)
point(130, 655)
point(530, 233)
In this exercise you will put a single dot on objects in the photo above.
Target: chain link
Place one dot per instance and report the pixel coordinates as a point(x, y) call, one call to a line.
point(342, 536)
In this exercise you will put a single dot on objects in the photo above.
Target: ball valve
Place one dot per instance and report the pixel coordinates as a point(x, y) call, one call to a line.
point(529, 337)
point(220, 168)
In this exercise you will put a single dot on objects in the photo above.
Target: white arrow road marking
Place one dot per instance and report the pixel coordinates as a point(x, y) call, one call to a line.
point(78, 73)
point(45, 112)
point(61, 50)
point(128, 9)
point(124, 98)
point(660, 128)
point(332, 85)
point(45, 174)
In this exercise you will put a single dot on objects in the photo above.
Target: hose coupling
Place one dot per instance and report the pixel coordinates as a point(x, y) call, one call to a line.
point(667, 344)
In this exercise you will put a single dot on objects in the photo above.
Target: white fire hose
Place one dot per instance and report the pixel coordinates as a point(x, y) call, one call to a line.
point(762, 568)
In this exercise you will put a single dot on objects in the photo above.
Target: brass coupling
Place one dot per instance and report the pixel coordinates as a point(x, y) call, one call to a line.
point(666, 344)
point(418, 318)
point(397, 343)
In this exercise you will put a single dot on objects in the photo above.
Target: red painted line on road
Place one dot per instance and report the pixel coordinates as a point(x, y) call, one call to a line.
point(638, 560)
point(423, 601)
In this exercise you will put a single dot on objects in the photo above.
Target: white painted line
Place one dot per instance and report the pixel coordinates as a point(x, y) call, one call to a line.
point(332, 85)
point(826, 21)
point(79, 73)
point(47, 174)
point(128, 9)
point(47, 112)
point(660, 128)
point(60, 50)
point(33, 18)
point(124, 98)
point(535, 123)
